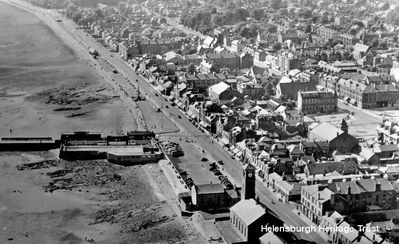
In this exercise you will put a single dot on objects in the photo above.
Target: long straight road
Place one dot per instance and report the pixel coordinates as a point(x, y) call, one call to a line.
point(231, 166)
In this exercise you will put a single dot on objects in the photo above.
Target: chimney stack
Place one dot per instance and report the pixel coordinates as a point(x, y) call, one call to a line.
point(378, 186)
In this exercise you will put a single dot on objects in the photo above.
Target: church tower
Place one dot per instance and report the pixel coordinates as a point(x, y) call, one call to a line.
point(344, 126)
point(248, 185)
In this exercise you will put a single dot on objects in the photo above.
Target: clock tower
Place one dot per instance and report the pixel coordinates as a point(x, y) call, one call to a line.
point(248, 185)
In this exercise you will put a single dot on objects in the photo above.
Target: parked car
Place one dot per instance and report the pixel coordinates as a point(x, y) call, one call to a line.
point(229, 186)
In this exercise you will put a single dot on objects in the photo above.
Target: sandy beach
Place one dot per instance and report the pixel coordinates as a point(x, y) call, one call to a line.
point(47, 88)
point(36, 66)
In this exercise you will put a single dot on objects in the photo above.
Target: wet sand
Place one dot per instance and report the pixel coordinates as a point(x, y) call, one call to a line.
point(36, 67)
point(34, 60)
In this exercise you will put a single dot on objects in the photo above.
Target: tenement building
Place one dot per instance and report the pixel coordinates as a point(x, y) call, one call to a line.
point(363, 95)
point(316, 101)
point(346, 197)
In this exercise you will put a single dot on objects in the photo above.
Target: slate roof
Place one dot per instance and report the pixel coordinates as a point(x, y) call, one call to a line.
point(210, 189)
point(326, 131)
point(345, 168)
point(291, 89)
point(248, 211)
point(219, 88)
point(361, 186)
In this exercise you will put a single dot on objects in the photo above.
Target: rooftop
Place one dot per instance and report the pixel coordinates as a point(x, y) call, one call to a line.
point(248, 211)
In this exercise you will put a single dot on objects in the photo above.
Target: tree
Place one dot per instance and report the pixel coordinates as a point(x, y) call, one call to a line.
point(308, 29)
point(99, 14)
point(217, 20)
point(241, 14)
point(353, 32)
point(275, 4)
point(324, 19)
point(385, 7)
point(162, 20)
point(214, 10)
point(229, 18)
point(77, 16)
point(358, 23)
point(258, 14)
point(244, 32)
point(71, 9)
point(277, 46)
point(305, 13)
point(383, 44)
point(374, 42)
point(191, 69)
point(248, 32)
point(269, 90)
point(271, 28)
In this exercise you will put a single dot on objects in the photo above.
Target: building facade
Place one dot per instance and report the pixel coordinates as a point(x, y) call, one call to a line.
point(310, 102)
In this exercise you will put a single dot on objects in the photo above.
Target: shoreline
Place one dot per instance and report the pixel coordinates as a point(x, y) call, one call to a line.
point(76, 70)
point(134, 205)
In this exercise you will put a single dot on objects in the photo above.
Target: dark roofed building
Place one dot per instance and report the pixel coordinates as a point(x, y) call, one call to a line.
point(357, 196)
point(344, 168)
point(290, 90)
point(212, 196)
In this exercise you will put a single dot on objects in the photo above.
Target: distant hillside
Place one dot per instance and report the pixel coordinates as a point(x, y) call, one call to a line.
point(64, 3)
point(93, 3)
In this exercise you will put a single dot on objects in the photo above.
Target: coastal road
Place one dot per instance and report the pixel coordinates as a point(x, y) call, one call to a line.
point(202, 141)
